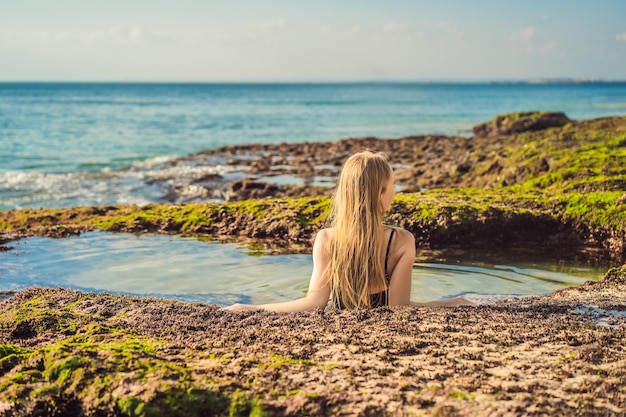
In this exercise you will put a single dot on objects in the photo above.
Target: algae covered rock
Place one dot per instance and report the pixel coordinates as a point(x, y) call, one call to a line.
point(88, 354)
point(513, 123)
point(556, 190)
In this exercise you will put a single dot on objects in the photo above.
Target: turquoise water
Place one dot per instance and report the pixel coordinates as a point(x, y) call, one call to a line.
point(224, 273)
point(91, 144)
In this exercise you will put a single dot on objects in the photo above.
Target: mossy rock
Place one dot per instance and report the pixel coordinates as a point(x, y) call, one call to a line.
point(562, 188)
point(514, 123)
point(147, 357)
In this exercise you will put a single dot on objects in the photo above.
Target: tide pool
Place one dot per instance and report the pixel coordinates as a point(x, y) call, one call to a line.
point(211, 272)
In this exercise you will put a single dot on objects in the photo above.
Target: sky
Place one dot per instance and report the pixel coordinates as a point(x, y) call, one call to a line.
point(311, 41)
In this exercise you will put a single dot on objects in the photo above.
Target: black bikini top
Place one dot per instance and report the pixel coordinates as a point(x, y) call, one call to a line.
point(380, 299)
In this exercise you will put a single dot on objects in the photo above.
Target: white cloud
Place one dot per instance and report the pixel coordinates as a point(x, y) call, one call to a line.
point(449, 28)
point(524, 35)
point(29, 39)
point(230, 40)
point(621, 36)
point(548, 47)
point(129, 35)
point(272, 24)
point(395, 27)
point(134, 35)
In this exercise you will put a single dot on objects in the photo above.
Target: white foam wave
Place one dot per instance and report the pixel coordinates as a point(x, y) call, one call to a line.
point(142, 183)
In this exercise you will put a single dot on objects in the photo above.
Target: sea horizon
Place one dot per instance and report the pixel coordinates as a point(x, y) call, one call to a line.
point(537, 80)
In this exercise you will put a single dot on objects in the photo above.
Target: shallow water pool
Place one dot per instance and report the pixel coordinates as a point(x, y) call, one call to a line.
point(223, 273)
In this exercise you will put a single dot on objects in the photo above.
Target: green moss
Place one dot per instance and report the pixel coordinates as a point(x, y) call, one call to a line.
point(131, 406)
point(192, 221)
point(461, 396)
point(580, 151)
point(91, 369)
point(62, 370)
point(256, 208)
point(192, 401)
point(8, 350)
point(45, 391)
point(243, 405)
point(597, 209)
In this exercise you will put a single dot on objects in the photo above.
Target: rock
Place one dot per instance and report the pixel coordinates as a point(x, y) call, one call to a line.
point(514, 123)
point(616, 276)
point(4, 244)
point(246, 189)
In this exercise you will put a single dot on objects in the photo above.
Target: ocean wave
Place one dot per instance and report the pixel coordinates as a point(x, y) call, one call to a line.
point(143, 182)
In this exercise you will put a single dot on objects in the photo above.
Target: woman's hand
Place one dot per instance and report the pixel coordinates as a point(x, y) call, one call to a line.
point(457, 301)
point(242, 307)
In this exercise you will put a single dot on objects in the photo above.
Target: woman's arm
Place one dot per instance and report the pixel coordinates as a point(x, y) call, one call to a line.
point(400, 285)
point(319, 288)
point(400, 280)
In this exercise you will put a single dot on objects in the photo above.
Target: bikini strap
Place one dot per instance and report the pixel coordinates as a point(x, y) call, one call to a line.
point(387, 254)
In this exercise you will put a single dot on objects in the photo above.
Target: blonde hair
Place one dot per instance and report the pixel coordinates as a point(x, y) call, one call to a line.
point(355, 258)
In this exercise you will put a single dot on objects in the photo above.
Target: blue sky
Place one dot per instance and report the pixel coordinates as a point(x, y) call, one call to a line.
point(323, 40)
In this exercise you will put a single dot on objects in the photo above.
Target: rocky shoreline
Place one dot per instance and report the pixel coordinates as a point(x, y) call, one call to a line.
point(489, 159)
point(536, 181)
point(526, 180)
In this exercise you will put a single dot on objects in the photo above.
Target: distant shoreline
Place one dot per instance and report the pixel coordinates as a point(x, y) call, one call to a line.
point(533, 81)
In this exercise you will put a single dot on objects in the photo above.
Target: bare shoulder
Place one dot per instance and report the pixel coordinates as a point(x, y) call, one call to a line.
point(405, 239)
point(324, 233)
point(323, 236)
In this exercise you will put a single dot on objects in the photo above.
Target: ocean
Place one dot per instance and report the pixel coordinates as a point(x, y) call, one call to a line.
point(84, 144)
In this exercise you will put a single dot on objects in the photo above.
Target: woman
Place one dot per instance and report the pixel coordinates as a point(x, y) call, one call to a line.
point(359, 262)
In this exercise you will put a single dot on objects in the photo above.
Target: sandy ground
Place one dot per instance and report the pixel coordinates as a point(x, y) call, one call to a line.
point(556, 355)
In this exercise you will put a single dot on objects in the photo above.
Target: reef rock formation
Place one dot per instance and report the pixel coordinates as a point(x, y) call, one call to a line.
point(514, 123)
point(66, 353)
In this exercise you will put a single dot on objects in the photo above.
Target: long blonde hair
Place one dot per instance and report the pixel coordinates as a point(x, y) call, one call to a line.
point(355, 258)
